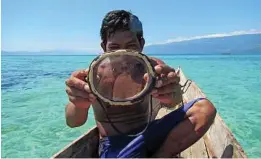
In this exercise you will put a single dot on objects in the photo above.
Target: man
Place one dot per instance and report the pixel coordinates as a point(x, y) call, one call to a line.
point(165, 137)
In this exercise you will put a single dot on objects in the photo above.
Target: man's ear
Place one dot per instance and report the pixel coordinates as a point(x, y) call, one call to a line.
point(103, 46)
point(142, 43)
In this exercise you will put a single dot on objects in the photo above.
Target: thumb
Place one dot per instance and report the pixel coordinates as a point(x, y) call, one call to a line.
point(146, 77)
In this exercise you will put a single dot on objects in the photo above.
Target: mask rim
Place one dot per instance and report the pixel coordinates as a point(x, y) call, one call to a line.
point(148, 87)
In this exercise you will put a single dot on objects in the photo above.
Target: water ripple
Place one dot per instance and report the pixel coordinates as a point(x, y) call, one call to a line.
point(33, 99)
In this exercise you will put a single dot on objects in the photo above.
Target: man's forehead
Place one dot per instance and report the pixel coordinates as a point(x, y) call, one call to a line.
point(122, 36)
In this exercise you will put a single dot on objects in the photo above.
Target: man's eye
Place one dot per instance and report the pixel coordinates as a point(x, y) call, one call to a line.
point(113, 48)
point(132, 46)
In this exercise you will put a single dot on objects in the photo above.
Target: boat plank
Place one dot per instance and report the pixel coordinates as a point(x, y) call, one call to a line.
point(199, 149)
point(86, 145)
point(218, 142)
point(186, 153)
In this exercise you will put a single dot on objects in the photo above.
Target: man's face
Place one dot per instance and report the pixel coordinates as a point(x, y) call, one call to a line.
point(123, 40)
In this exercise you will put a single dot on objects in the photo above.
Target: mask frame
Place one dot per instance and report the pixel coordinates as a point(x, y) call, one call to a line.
point(132, 100)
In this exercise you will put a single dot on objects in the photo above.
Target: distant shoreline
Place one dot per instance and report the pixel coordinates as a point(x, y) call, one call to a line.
point(197, 54)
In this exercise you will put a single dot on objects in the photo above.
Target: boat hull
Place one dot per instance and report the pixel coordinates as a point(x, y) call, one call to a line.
point(217, 142)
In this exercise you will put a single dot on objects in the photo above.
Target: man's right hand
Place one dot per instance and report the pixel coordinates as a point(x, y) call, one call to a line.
point(78, 90)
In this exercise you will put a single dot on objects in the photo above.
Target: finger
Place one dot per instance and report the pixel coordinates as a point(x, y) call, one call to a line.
point(75, 99)
point(77, 83)
point(171, 77)
point(78, 93)
point(80, 102)
point(146, 77)
point(81, 74)
point(163, 69)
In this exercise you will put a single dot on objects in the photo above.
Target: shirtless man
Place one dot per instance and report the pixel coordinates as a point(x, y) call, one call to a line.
point(165, 137)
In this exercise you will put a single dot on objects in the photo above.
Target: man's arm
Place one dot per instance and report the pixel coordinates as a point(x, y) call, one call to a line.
point(198, 120)
point(80, 98)
point(75, 116)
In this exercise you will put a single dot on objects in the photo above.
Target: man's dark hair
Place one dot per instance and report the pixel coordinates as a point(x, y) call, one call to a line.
point(120, 20)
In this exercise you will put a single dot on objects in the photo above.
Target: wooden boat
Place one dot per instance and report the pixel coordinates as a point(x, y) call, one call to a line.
point(218, 142)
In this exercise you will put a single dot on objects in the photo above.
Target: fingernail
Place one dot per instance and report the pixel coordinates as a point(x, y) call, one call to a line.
point(145, 77)
point(159, 83)
point(87, 88)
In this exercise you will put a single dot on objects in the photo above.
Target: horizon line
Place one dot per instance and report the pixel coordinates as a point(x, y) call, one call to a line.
point(175, 40)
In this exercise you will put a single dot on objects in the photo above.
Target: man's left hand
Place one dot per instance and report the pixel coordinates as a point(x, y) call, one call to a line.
point(167, 84)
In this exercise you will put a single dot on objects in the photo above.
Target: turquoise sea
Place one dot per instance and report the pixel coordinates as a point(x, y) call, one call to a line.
point(33, 99)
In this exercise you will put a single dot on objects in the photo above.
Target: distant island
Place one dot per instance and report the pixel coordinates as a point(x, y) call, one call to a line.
point(238, 44)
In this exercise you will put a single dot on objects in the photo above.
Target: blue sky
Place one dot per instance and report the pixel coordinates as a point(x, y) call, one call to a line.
point(39, 25)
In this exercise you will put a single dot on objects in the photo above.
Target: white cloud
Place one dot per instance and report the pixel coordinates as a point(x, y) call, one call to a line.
point(179, 39)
